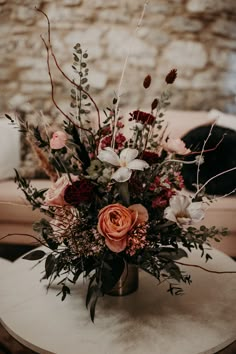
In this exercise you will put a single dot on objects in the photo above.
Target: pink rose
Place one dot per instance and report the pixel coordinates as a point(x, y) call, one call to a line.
point(177, 146)
point(55, 195)
point(58, 140)
point(115, 221)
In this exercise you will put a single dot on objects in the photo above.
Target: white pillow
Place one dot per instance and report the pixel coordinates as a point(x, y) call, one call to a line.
point(9, 149)
point(222, 119)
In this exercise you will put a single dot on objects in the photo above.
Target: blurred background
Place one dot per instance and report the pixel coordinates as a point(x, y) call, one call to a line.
point(198, 37)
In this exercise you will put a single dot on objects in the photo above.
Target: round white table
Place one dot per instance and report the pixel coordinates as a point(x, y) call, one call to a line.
point(203, 320)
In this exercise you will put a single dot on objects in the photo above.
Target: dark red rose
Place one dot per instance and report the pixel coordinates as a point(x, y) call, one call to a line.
point(143, 117)
point(150, 157)
point(79, 192)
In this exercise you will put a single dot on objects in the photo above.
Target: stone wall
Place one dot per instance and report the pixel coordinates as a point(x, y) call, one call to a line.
point(198, 37)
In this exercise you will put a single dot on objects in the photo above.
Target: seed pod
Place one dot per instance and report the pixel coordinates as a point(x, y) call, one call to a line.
point(147, 81)
point(154, 104)
point(171, 76)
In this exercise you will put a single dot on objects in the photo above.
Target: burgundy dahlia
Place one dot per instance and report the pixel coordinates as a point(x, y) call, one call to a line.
point(143, 117)
point(79, 192)
point(150, 157)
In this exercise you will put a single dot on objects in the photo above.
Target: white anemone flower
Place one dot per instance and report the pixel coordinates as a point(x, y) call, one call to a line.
point(126, 162)
point(183, 211)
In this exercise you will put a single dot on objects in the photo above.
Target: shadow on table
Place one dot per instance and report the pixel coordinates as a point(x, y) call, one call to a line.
point(8, 345)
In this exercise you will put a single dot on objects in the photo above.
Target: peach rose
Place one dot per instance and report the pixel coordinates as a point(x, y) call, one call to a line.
point(55, 195)
point(115, 221)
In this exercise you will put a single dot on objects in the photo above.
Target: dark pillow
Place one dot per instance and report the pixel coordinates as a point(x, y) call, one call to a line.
point(221, 159)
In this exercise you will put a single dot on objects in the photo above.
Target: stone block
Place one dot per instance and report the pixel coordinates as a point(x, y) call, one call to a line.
point(225, 28)
point(33, 76)
point(227, 83)
point(97, 79)
point(183, 54)
point(184, 24)
point(121, 43)
point(207, 79)
point(72, 2)
point(232, 62)
point(210, 6)
point(89, 39)
point(219, 57)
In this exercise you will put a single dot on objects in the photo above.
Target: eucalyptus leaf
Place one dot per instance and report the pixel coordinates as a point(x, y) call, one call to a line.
point(92, 290)
point(65, 291)
point(172, 253)
point(35, 255)
point(93, 307)
point(50, 264)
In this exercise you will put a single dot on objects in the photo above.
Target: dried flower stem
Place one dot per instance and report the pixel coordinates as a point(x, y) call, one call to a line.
point(205, 269)
point(62, 72)
point(203, 148)
point(46, 166)
point(123, 73)
point(210, 179)
point(207, 150)
point(53, 98)
point(27, 235)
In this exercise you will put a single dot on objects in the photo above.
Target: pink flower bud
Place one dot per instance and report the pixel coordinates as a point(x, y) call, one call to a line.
point(58, 140)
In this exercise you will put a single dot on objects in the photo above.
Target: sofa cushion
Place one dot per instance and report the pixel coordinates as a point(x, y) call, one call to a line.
point(10, 149)
point(13, 205)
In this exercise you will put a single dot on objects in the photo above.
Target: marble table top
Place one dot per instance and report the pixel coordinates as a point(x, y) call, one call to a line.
point(203, 320)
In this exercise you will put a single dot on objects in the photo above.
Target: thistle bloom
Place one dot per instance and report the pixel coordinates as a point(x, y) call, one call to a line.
point(183, 211)
point(126, 162)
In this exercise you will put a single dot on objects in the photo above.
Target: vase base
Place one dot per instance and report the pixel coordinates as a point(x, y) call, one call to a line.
point(128, 282)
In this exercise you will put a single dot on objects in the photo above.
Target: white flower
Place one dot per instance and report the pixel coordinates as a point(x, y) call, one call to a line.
point(183, 211)
point(199, 160)
point(126, 162)
point(137, 126)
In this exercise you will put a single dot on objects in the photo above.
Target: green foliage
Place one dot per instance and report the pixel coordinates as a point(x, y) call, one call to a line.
point(32, 194)
point(79, 95)
point(41, 142)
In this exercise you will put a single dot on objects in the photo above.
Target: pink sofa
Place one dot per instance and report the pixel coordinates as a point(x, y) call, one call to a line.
point(17, 217)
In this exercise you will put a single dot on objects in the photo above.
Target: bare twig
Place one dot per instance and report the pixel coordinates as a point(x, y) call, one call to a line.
point(62, 72)
point(205, 269)
point(212, 178)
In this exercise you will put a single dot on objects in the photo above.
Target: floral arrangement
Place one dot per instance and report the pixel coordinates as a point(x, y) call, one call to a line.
point(117, 193)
